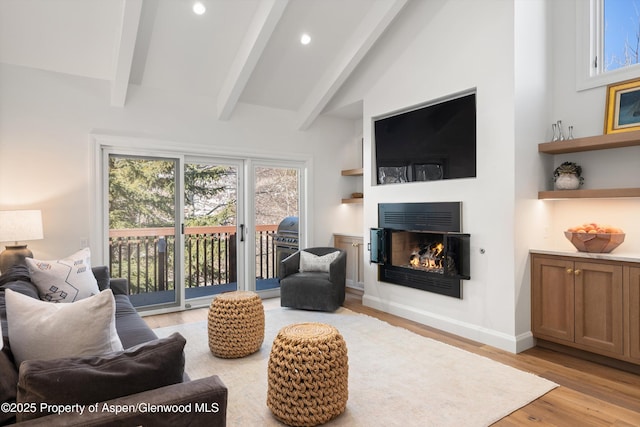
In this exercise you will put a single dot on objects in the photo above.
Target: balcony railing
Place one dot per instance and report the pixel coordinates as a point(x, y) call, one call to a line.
point(146, 256)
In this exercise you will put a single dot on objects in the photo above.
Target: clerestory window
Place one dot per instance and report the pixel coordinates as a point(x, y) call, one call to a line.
point(608, 42)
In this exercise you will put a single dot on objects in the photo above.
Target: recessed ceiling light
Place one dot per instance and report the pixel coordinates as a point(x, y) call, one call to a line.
point(199, 8)
point(305, 39)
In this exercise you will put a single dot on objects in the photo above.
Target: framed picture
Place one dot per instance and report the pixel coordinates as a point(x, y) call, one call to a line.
point(622, 111)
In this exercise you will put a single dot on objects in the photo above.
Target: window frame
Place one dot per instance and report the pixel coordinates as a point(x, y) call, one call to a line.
point(590, 45)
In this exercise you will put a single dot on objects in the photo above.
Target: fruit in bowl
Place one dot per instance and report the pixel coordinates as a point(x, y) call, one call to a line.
point(593, 237)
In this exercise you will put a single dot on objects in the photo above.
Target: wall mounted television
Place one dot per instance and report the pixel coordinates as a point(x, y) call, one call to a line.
point(430, 142)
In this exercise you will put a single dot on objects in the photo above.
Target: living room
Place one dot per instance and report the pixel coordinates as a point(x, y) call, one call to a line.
point(519, 57)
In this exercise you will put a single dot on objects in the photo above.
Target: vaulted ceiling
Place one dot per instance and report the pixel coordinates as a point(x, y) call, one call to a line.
point(237, 51)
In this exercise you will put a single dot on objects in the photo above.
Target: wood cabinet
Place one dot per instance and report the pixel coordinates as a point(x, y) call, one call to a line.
point(552, 299)
point(598, 306)
point(591, 143)
point(580, 303)
point(354, 247)
point(632, 299)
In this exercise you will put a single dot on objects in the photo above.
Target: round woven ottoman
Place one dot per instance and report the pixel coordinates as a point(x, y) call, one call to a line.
point(308, 374)
point(236, 324)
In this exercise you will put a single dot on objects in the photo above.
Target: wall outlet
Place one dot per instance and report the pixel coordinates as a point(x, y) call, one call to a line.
point(84, 242)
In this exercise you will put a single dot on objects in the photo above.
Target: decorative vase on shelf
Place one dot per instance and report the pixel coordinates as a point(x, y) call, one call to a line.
point(567, 181)
point(568, 176)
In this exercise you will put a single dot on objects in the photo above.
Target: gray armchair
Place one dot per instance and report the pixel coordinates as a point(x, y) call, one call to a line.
point(313, 290)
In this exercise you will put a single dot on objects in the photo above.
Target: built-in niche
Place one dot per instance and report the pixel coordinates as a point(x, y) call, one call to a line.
point(429, 142)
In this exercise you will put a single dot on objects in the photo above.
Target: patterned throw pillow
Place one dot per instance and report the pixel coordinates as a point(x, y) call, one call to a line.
point(311, 262)
point(64, 280)
point(42, 330)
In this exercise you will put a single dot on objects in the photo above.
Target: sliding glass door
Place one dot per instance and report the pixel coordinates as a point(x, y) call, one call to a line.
point(144, 237)
point(276, 196)
point(213, 235)
point(183, 229)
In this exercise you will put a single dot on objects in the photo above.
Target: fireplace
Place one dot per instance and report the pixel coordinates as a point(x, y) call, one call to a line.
point(420, 245)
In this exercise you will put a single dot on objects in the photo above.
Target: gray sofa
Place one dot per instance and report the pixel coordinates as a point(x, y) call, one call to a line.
point(201, 402)
point(313, 290)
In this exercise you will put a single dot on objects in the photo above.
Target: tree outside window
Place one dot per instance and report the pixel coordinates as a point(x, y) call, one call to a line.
point(621, 35)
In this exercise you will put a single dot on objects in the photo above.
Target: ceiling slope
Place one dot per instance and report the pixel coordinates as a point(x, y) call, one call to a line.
point(263, 24)
point(355, 49)
point(245, 51)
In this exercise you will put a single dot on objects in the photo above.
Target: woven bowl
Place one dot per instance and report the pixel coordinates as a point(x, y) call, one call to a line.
point(599, 242)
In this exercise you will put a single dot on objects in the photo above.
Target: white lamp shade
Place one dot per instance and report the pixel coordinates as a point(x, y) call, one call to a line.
point(20, 225)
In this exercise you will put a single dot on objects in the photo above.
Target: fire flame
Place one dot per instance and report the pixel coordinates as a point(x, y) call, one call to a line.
point(429, 259)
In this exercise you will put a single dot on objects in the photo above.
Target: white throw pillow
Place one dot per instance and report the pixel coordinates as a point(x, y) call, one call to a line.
point(311, 262)
point(42, 330)
point(64, 280)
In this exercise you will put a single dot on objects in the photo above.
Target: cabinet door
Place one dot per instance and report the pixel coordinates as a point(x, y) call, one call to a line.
point(353, 247)
point(634, 312)
point(552, 296)
point(599, 310)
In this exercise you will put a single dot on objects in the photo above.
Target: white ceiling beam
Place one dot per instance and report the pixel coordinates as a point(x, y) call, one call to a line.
point(123, 52)
point(372, 26)
point(262, 26)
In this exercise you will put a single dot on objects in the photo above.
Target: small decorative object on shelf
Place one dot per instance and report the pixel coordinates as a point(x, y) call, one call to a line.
point(554, 129)
point(568, 176)
point(593, 237)
point(560, 133)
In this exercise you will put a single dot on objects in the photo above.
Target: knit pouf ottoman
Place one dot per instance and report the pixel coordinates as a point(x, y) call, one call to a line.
point(235, 324)
point(308, 374)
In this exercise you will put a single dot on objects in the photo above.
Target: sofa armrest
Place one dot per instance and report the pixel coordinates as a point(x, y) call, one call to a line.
point(290, 265)
point(196, 403)
point(119, 286)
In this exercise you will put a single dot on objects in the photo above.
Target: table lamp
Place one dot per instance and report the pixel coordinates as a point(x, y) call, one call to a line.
point(17, 226)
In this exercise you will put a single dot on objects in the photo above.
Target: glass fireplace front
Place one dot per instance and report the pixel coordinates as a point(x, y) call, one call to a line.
point(420, 245)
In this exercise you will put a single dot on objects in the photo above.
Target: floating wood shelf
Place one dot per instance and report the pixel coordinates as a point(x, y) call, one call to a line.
point(352, 172)
point(591, 143)
point(590, 194)
point(356, 200)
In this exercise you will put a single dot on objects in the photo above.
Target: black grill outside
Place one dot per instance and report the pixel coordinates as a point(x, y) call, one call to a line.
point(286, 239)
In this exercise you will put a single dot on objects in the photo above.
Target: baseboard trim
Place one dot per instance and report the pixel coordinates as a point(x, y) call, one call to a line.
point(513, 344)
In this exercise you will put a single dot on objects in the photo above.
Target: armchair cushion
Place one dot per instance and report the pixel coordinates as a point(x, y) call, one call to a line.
point(91, 379)
point(312, 262)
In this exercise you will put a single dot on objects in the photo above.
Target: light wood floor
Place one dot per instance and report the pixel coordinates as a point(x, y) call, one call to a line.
point(590, 394)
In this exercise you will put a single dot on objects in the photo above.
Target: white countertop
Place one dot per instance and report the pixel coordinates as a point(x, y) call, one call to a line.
point(613, 256)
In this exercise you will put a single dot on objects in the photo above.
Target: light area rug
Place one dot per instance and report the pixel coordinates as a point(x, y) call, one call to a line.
point(396, 377)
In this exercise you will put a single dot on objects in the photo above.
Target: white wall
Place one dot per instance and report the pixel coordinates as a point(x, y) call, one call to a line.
point(46, 119)
point(532, 67)
point(523, 66)
point(457, 50)
point(602, 169)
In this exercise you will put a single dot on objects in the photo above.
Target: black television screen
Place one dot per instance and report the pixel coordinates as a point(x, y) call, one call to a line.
point(437, 141)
